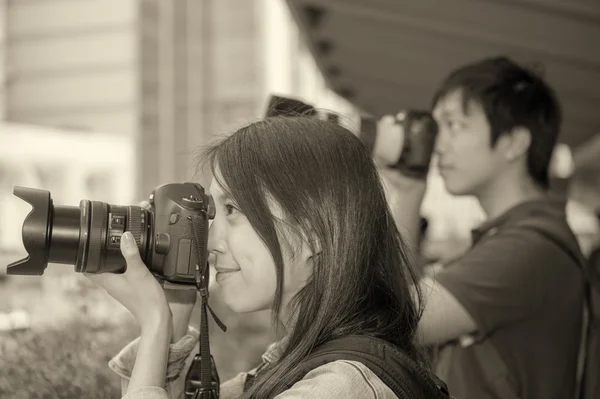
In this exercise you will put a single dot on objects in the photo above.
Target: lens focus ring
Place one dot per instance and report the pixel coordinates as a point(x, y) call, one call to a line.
point(97, 236)
point(134, 218)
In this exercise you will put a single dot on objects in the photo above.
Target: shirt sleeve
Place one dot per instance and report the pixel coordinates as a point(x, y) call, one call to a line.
point(339, 380)
point(231, 389)
point(181, 355)
point(502, 279)
point(148, 393)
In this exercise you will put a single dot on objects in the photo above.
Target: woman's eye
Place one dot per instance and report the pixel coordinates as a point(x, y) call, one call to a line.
point(230, 209)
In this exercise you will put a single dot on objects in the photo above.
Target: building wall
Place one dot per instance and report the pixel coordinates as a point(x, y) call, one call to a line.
point(173, 74)
point(206, 68)
point(37, 157)
point(72, 64)
point(71, 67)
point(2, 57)
point(200, 78)
point(289, 67)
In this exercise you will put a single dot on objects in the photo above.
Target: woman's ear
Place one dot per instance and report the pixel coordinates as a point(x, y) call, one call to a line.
point(310, 245)
point(317, 246)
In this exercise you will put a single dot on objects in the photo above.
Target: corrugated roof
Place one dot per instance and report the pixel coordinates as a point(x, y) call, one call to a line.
point(383, 55)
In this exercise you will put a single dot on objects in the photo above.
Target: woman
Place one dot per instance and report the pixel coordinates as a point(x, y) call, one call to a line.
point(302, 227)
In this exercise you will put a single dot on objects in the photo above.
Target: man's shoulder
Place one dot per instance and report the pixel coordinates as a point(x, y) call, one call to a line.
point(516, 253)
point(510, 244)
point(540, 238)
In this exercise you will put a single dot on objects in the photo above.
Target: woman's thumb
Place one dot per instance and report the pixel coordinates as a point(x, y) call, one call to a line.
point(129, 248)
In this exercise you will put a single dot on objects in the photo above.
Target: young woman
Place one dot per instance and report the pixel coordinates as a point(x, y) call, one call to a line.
point(302, 227)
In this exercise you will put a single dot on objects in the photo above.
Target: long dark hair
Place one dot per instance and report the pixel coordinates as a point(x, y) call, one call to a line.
point(328, 187)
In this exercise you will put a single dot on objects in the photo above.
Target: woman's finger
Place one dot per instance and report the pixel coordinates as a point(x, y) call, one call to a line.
point(105, 280)
point(129, 248)
point(130, 252)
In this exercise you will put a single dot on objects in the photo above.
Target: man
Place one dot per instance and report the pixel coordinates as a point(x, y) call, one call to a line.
point(507, 314)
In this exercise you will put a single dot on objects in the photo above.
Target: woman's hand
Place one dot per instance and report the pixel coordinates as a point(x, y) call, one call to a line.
point(139, 291)
point(136, 289)
point(181, 300)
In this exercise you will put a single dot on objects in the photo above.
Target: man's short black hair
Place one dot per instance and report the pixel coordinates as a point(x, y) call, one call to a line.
point(511, 96)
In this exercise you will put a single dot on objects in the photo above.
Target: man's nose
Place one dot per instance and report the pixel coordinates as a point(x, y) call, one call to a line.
point(441, 142)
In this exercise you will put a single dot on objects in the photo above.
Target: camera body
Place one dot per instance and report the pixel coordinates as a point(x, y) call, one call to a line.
point(181, 216)
point(171, 234)
point(420, 132)
point(405, 141)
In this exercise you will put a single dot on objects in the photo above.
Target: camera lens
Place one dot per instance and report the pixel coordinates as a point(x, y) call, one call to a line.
point(87, 236)
point(102, 226)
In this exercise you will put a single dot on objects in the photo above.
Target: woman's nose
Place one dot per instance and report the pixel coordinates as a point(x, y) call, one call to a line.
point(216, 241)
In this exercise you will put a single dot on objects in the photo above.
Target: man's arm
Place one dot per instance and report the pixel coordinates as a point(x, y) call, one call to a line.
point(405, 196)
point(502, 280)
point(444, 318)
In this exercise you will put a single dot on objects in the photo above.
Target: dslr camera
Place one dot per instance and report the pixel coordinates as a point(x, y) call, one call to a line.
point(405, 141)
point(171, 234)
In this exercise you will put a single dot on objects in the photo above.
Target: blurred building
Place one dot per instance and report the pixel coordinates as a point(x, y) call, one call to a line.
point(2, 58)
point(60, 162)
point(170, 76)
point(157, 79)
point(66, 121)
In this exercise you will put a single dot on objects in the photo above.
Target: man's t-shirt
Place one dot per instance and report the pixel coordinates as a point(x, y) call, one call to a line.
point(525, 293)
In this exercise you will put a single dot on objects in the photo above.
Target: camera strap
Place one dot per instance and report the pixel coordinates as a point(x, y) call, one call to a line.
point(202, 379)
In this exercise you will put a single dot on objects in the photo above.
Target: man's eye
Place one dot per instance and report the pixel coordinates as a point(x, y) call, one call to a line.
point(456, 125)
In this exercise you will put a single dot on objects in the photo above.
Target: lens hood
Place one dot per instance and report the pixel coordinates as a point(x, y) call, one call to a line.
point(36, 233)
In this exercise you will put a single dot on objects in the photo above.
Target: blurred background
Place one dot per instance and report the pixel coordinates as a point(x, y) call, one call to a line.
point(106, 99)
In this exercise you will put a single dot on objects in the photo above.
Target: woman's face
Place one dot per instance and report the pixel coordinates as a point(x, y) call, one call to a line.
point(245, 268)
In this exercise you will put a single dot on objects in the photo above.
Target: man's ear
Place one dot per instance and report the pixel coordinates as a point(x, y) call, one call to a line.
point(515, 144)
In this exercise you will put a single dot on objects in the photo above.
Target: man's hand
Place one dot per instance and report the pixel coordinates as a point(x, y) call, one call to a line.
point(397, 184)
point(405, 196)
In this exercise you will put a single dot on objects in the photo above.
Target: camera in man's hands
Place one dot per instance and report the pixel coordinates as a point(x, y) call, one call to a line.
point(169, 234)
point(284, 106)
point(405, 142)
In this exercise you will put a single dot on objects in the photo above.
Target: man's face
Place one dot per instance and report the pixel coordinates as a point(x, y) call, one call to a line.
point(467, 160)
